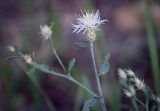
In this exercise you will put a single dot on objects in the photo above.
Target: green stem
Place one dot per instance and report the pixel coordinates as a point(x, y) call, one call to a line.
point(145, 106)
point(82, 86)
point(68, 73)
point(152, 46)
point(102, 103)
point(57, 57)
point(147, 103)
point(133, 99)
point(39, 67)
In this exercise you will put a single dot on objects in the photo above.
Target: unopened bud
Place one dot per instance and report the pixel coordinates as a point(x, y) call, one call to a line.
point(27, 59)
point(91, 35)
point(11, 48)
point(46, 31)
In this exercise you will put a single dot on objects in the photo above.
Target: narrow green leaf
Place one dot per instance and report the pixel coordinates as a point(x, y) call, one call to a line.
point(89, 104)
point(42, 67)
point(104, 68)
point(71, 64)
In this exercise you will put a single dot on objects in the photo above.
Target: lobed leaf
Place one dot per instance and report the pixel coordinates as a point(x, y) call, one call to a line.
point(104, 68)
point(89, 104)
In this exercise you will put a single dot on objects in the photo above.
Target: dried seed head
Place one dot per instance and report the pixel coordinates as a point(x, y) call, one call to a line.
point(91, 35)
point(139, 83)
point(122, 74)
point(130, 73)
point(46, 31)
point(130, 92)
point(27, 59)
point(11, 48)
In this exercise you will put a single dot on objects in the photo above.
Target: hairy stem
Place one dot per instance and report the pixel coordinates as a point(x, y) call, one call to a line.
point(82, 86)
point(102, 103)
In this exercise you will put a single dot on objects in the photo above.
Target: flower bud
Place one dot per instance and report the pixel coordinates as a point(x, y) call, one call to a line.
point(46, 31)
point(91, 35)
point(27, 59)
point(11, 48)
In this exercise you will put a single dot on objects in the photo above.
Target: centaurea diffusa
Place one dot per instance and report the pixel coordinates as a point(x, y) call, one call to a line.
point(130, 73)
point(139, 83)
point(88, 22)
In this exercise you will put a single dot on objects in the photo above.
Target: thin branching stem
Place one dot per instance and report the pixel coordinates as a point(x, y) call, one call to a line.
point(147, 103)
point(133, 99)
point(39, 67)
point(138, 100)
point(67, 75)
point(102, 103)
point(79, 84)
point(57, 57)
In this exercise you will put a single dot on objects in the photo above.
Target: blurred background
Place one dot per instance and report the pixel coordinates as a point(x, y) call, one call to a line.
point(131, 37)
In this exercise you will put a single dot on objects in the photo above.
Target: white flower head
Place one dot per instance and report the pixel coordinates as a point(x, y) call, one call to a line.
point(139, 83)
point(122, 74)
point(46, 31)
point(130, 92)
point(130, 73)
point(88, 20)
